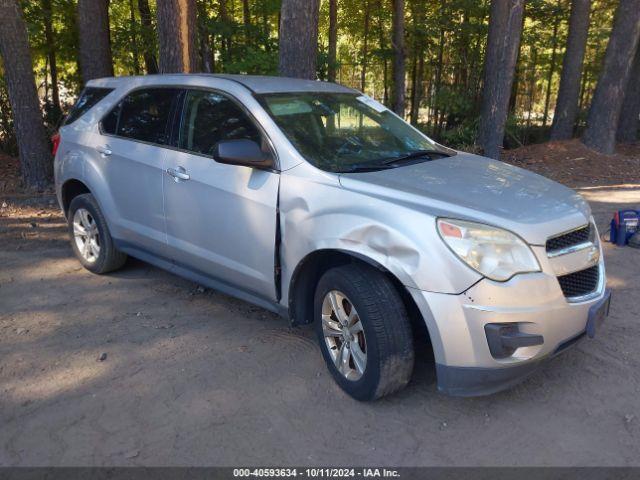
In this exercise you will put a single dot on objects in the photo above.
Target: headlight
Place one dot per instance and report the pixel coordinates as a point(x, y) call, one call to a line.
point(493, 252)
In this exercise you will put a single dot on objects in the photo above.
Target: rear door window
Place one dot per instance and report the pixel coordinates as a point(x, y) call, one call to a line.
point(144, 115)
point(87, 99)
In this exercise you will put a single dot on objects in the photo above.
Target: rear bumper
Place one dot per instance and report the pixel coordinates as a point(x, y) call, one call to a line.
point(532, 303)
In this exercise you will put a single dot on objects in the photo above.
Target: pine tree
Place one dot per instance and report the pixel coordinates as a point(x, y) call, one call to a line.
point(333, 39)
point(177, 36)
point(604, 113)
point(566, 112)
point(399, 58)
point(299, 38)
point(628, 124)
point(505, 29)
point(95, 44)
point(33, 148)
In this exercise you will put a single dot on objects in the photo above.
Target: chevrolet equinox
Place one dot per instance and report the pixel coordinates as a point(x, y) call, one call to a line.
point(315, 201)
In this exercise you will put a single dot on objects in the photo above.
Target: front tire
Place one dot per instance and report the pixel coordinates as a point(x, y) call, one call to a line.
point(90, 237)
point(364, 331)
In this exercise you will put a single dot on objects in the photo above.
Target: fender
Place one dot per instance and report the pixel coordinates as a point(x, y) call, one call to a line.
point(320, 214)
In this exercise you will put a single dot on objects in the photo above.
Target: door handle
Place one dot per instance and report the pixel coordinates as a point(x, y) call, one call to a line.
point(105, 150)
point(178, 174)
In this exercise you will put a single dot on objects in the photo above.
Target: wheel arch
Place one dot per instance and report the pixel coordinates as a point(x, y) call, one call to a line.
point(307, 273)
point(69, 190)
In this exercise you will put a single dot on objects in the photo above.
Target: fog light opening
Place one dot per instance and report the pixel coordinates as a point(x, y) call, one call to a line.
point(505, 338)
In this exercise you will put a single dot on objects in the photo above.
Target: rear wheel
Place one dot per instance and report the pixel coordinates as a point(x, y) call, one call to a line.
point(364, 331)
point(90, 237)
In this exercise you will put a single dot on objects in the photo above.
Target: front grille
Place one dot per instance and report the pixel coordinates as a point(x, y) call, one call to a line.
point(580, 283)
point(569, 239)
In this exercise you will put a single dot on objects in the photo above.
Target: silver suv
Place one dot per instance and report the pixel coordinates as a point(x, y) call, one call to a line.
point(314, 201)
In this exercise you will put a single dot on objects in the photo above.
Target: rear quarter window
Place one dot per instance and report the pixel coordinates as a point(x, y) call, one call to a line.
point(87, 99)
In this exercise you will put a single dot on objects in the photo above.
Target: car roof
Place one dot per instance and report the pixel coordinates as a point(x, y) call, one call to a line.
point(256, 83)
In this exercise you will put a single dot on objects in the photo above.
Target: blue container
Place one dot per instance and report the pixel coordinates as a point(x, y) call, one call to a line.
point(623, 226)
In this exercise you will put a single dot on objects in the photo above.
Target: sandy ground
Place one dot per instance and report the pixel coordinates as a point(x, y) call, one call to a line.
point(192, 377)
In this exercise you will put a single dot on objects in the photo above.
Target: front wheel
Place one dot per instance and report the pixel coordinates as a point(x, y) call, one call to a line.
point(364, 331)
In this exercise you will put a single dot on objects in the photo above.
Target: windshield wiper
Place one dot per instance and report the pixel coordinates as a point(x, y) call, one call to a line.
point(414, 155)
point(364, 167)
point(388, 163)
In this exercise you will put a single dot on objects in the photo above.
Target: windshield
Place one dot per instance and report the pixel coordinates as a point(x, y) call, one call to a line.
point(343, 132)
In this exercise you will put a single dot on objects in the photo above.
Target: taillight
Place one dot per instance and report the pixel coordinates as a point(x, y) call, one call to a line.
point(55, 142)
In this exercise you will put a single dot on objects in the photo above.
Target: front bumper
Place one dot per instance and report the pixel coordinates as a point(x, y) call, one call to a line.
point(533, 302)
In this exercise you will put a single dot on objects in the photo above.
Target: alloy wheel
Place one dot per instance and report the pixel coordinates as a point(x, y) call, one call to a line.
point(86, 235)
point(344, 335)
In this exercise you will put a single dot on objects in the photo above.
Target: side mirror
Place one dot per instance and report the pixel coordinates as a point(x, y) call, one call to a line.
point(242, 152)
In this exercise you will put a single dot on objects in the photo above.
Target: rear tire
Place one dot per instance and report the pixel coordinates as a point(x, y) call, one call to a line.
point(90, 237)
point(371, 319)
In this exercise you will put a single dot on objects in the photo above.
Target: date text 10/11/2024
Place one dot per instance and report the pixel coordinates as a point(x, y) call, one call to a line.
point(316, 472)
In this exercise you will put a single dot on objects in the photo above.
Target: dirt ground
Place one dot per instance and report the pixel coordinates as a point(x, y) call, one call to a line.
point(193, 377)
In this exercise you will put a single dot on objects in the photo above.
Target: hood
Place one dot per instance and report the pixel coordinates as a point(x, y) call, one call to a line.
point(475, 188)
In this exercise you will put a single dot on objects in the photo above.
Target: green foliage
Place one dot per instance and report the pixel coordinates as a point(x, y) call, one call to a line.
point(445, 48)
point(253, 61)
point(462, 136)
point(65, 34)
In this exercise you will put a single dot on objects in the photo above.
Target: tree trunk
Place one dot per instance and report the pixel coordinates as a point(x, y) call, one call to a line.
point(566, 112)
point(33, 148)
point(226, 38)
point(204, 38)
point(628, 124)
point(299, 38)
point(417, 71)
point(333, 40)
point(134, 38)
point(246, 18)
point(95, 44)
point(552, 66)
point(45, 80)
point(51, 56)
point(365, 44)
point(476, 73)
point(513, 98)
point(583, 91)
point(398, 91)
point(416, 92)
point(503, 43)
point(606, 105)
point(420, 91)
point(414, 82)
point(437, 114)
point(383, 49)
point(150, 61)
point(464, 51)
point(265, 25)
point(532, 90)
point(177, 36)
